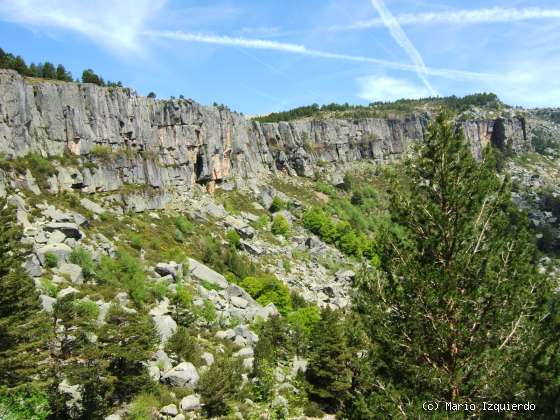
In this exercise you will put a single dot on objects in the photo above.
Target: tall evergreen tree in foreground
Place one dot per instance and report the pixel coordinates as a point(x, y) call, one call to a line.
point(454, 312)
point(22, 324)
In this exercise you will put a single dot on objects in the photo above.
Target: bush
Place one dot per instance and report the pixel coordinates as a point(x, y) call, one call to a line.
point(280, 225)
point(24, 404)
point(143, 407)
point(209, 312)
point(49, 287)
point(183, 224)
point(51, 260)
point(101, 151)
point(277, 205)
point(184, 345)
point(219, 384)
point(268, 290)
point(82, 257)
point(124, 271)
point(87, 310)
point(233, 239)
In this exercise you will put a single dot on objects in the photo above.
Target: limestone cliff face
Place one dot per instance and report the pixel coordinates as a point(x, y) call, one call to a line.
point(128, 139)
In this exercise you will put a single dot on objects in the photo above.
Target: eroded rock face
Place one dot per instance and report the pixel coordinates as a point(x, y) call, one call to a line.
point(128, 139)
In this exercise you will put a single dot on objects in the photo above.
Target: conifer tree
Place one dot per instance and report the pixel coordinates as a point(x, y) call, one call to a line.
point(453, 310)
point(328, 372)
point(22, 324)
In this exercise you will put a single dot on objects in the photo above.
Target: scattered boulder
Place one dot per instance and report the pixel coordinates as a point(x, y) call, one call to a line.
point(183, 375)
point(172, 269)
point(70, 230)
point(33, 266)
point(190, 403)
point(251, 248)
point(239, 302)
point(165, 325)
point(91, 206)
point(62, 251)
point(169, 410)
point(208, 358)
point(66, 291)
point(47, 303)
point(56, 237)
point(73, 271)
point(244, 353)
point(203, 273)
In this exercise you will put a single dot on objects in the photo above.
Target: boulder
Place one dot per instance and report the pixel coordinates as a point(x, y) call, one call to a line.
point(244, 332)
point(248, 363)
point(73, 271)
point(62, 251)
point(33, 266)
point(183, 375)
point(91, 206)
point(70, 230)
point(203, 273)
point(47, 303)
point(66, 291)
point(169, 269)
point(165, 326)
point(251, 248)
point(268, 310)
point(169, 410)
point(208, 358)
point(56, 237)
point(245, 353)
point(239, 302)
point(226, 335)
point(163, 360)
point(190, 403)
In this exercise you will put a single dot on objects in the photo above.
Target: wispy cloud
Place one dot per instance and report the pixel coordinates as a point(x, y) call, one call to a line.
point(404, 42)
point(113, 24)
point(303, 50)
point(376, 88)
point(459, 17)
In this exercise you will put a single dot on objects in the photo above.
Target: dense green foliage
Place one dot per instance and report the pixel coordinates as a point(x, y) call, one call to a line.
point(280, 226)
point(23, 327)
point(375, 109)
point(48, 70)
point(219, 384)
point(268, 289)
point(454, 313)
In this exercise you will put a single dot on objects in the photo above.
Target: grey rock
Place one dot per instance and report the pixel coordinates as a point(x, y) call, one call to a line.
point(226, 335)
point(70, 230)
point(165, 325)
point(244, 353)
point(56, 237)
point(239, 302)
point(183, 375)
point(208, 358)
point(66, 292)
point(73, 271)
point(251, 248)
point(62, 251)
point(248, 363)
point(154, 373)
point(243, 331)
point(47, 303)
point(190, 403)
point(201, 272)
point(169, 269)
point(92, 206)
point(33, 266)
point(169, 410)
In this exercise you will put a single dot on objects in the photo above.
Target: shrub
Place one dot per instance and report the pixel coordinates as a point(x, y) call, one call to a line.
point(261, 222)
point(87, 310)
point(233, 239)
point(82, 257)
point(49, 287)
point(183, 224)
point(101, 151)
point(277, 205)
point(178, 235)
point(124, 271)
point(219, 384)
point(136, 241)
point(209, 312)
point(143, 407)
point(184, 345)
point(280, 225)
point(268, 290)
point(51, 259)
point(24, 404)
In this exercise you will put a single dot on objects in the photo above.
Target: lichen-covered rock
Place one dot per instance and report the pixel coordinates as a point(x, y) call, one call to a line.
point(183, 375)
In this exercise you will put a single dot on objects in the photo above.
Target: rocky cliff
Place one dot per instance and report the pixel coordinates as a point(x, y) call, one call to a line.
point(121, 138)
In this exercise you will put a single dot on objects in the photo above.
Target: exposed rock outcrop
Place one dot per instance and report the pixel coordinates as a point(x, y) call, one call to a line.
point(119, 138)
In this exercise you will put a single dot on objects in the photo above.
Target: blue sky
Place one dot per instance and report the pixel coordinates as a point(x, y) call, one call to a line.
point(270, 55)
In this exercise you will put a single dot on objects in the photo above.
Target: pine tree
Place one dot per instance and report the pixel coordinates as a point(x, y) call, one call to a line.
point(328, 372)
point(22, 324)
point(219, 384)
point(452, 312)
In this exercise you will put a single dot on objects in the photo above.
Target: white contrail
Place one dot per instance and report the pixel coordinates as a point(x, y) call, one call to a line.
point(460, 17)
point(400, 38)
point(303, 50)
